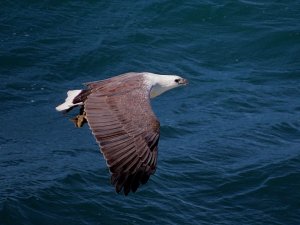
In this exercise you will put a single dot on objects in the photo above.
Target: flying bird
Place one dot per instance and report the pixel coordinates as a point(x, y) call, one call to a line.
point(119, 113)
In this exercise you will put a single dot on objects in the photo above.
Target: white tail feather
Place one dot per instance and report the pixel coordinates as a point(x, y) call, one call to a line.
point(69, 100)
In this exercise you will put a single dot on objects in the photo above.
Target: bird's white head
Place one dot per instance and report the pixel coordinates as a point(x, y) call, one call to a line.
point(162, 83)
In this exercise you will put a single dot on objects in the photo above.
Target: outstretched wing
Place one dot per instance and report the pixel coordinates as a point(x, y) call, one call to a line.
point(127, 131)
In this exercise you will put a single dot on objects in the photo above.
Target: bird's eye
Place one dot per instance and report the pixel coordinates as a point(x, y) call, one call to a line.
point(177, 80)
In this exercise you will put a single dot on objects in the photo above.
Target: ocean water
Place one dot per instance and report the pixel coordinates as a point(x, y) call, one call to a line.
point(229, 151)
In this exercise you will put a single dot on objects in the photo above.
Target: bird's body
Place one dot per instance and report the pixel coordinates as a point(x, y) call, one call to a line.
point(119, 114)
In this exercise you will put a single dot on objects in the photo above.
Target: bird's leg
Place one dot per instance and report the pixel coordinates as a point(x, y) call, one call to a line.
point(80, 119)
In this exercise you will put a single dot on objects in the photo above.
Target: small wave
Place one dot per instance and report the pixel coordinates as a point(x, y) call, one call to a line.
point(173, 132)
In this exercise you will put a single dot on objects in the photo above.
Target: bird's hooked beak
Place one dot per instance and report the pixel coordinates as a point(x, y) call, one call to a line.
point(183, 81)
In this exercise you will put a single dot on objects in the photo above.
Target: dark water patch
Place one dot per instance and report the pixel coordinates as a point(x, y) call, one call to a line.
point(11, 97)
point(11, 162)
point(270, 77)
point(277, 134)
point(243, 104)
point(173, 132)
point(287, 131)
point(261, 181)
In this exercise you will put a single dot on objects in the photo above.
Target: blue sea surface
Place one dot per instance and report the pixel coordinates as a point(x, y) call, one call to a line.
point(229, 151)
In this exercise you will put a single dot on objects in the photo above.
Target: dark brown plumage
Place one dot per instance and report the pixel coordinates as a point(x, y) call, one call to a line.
point(128, 138)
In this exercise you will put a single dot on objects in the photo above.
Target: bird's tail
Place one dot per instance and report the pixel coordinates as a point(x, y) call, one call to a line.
point(69, 102)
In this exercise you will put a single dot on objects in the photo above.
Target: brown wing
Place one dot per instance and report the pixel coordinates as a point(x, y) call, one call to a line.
point(127, 130)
